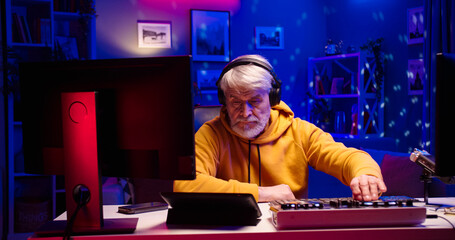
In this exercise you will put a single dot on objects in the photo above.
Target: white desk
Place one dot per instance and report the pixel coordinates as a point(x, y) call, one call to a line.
point(152, 225)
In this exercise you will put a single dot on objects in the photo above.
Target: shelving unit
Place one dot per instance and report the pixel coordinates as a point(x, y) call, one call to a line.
point(35, 32)
point(345, 98)
point(30, 23)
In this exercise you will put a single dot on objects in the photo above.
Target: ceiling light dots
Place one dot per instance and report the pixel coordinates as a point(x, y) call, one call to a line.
point(418, 123)
point(403, 38)
point(391, 124)
point(397, 87)
point(403, 112)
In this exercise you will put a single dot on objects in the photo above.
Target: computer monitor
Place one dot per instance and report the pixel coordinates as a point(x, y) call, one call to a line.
point(445, 103)
point(116, 117)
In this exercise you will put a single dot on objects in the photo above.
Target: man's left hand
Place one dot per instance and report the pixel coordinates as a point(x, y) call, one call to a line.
point(367, 188)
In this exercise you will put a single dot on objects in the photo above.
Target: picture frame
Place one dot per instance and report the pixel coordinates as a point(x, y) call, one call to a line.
point(206, 81)
point(269, 37)
point(416, 73)
point(154, 34)
point(210, 35)
point(66, 48)
point(415, 25)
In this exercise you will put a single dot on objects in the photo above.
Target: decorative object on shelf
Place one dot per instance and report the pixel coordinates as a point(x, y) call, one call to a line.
point(354, 119)
point(86, 12)
point(351, 49)
point(12, 73)
point(415, 25)
point(210, 35)
point(269, 37)
point(87, 7)
point(333, 48)
point(154, 34)
point(415, 76)
point(31, 213)
point(373, 47)
point(75, 6)
point(66, 48)
point(320, 112)
point(337, 85)
point(340, 122)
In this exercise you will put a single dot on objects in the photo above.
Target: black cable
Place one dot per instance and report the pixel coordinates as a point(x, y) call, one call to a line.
point(69, 225)
point(447, 220)
point(81, 195)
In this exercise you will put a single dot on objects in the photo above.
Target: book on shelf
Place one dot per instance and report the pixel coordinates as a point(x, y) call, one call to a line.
point(18, 30)
point(67, 5)
point(31, 30)
point(45, 31)
point(337, 86)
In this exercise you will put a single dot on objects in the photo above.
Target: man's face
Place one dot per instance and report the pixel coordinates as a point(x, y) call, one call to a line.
point(248, 111)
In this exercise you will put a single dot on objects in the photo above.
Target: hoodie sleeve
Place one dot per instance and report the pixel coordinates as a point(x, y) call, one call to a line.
point(207, 160)
point(324, 154)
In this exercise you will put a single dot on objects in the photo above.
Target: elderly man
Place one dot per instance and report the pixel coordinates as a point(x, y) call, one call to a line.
point(257, 146)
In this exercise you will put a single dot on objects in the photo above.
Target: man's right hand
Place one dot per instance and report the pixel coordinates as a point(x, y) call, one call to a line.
point(282, 191)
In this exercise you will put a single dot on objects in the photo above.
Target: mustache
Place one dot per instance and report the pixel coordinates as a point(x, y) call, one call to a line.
point(247, 119)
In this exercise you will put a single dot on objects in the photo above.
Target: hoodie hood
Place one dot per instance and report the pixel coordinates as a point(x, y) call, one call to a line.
point(281, 118)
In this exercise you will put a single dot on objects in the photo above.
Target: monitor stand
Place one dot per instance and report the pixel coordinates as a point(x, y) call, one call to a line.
point(80, 141)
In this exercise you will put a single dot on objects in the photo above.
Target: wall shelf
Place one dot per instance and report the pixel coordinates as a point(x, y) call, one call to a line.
point(342, 87)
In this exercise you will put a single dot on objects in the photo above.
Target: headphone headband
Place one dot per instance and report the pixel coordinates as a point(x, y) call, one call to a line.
point(275, 92)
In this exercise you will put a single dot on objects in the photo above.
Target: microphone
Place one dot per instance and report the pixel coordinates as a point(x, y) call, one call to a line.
point(424, 159)
point(427, 162)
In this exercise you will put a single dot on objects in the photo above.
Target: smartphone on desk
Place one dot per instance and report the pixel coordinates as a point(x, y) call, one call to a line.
point(142, 207)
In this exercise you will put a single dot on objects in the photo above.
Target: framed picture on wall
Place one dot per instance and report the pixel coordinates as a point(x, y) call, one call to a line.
point(154, 34)
point(206, 81)
point(415, 76)
point(415, 25)
point(210, 35)
point(269, 37)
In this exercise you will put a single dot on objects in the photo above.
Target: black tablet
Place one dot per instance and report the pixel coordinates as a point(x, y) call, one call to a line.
point(212, 208)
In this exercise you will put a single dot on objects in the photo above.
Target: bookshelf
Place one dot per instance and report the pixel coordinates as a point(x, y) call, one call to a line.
point(63, 27)
point(30, 23)
point(38, 30)
point(345, 98)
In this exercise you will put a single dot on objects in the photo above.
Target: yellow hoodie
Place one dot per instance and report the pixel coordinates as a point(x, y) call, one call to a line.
point(286, 148)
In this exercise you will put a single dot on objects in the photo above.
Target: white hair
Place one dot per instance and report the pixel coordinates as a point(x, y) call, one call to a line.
point(248, 77)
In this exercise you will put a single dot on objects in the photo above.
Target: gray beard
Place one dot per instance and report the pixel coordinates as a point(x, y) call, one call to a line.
point(247, 132)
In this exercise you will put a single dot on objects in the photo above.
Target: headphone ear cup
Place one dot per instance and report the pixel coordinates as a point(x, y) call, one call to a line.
point(274, 97)
point(221, 97)
point(275, 92)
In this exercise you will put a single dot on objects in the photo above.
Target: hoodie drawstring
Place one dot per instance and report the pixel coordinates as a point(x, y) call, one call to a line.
point(249, 159)
point(249, 162)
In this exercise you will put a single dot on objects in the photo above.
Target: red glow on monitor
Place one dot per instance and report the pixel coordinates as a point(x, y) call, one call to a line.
point(81, 155)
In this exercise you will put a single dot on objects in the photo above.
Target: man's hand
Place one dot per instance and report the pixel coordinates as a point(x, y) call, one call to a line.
point(282, 191)
point(367, 188)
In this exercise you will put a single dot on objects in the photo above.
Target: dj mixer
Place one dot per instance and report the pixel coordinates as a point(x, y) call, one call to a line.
point(346, 212)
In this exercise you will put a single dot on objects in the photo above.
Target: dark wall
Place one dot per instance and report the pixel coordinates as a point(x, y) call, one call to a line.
point(307, 26)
